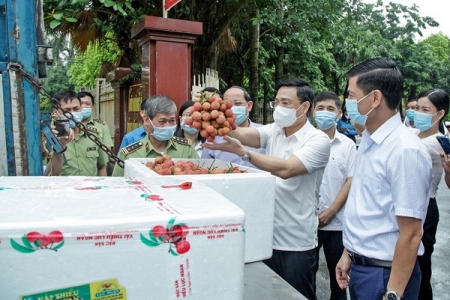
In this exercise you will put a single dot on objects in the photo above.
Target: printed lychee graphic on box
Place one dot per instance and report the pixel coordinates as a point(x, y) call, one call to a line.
point(251, 189)
point(149, 232)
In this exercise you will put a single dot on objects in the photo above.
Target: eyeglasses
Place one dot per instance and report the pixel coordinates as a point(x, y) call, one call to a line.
point(274, 104)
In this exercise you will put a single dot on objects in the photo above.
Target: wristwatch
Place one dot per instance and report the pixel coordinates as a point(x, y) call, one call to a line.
point(246, 157)
point(391, 295)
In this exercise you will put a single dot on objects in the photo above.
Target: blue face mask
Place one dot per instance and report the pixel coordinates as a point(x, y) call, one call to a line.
point(325, 119)
point(78, 116)
point(187, 128)
point(87, 112)
point(422, 121)
point(410, 114)
point(241, 114)
point(163, 134)
point(353, 111)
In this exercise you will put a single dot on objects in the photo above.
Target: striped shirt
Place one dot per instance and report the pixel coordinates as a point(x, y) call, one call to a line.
point(392, 178)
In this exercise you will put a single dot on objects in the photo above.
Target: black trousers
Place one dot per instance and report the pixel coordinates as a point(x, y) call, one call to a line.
point(298, 268)
point(428, 240)
point(332, 248)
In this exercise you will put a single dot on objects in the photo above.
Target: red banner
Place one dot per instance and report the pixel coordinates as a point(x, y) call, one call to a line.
point(168, 4)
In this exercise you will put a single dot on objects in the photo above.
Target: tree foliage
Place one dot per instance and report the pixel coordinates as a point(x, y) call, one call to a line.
point(254, 43)
point(57, 80)
point(87, 65)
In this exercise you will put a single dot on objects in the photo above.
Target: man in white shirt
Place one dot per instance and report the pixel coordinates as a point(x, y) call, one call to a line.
point(336, 183)
point(388, 199)
point(297, 154)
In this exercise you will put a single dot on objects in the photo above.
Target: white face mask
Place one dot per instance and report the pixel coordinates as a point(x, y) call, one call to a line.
point(285, 117)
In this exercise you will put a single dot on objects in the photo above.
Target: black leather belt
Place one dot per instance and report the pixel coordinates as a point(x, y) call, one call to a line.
point(367, 261)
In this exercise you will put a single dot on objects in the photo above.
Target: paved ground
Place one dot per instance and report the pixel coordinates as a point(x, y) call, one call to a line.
point(441, 255)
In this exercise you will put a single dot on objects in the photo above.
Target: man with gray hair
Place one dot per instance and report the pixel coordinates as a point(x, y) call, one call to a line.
point(160, 123)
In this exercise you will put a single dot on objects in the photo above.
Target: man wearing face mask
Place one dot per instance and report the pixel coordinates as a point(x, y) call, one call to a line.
point(409, 112)
point(297, 154)
point(335, 185)
point(160, 123)
point(94, 125)
point(242, 105)
point(83, 156)
point(388, 198)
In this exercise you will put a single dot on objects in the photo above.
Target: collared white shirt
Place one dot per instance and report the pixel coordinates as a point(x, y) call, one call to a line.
point(296, 198)
point(434, 148)
point(339, 168)
point(392, 178)
point(198, 148)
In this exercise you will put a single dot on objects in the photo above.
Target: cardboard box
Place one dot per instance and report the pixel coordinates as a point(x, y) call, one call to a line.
point(108, 236)
point(253, 192)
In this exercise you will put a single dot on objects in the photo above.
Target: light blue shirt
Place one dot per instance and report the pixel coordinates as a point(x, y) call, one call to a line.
point(133, 136)
point(391, 178)
point(231, 157)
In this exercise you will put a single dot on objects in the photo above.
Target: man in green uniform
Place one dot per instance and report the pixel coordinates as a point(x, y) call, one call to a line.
point(94, 125)
point(160, 123)
point(83, 156)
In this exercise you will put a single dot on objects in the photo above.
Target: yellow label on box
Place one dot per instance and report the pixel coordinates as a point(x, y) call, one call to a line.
point(108, 289)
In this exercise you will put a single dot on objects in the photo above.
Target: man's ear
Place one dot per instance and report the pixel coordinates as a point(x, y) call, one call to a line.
point(377, 97)
point(307, 106)
point(250, 105)
point(339, 115)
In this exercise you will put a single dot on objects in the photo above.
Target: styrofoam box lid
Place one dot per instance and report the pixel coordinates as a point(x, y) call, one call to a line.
point(84, 204)
point(92, 229)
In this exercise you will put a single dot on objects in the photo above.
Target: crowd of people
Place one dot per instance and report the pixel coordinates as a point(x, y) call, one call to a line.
point(372, 210)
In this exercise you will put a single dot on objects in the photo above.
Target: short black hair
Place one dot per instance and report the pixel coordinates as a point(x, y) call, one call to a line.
point(84, 94)
point(65, 96)
point(246, 94)
point(212, 89)
point(379, 74)
point(328, 95)
point(304, 91)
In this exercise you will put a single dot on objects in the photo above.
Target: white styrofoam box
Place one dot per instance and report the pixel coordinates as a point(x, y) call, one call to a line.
point(111, 230)
point(254, 192)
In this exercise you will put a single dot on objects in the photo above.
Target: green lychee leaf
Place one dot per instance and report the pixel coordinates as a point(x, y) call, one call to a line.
point(173, 252)
point(153, 237)
point(59, 245)
point(171, 222)
point(20, 248)
point(26, 243)
point(148, 242)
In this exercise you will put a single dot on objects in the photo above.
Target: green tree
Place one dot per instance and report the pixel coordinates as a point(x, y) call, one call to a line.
point(57, 80)
point(87, 65)
point(439, 45)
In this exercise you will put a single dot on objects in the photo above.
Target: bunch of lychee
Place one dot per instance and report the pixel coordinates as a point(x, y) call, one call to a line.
point(212, 117)
point(164, 165)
